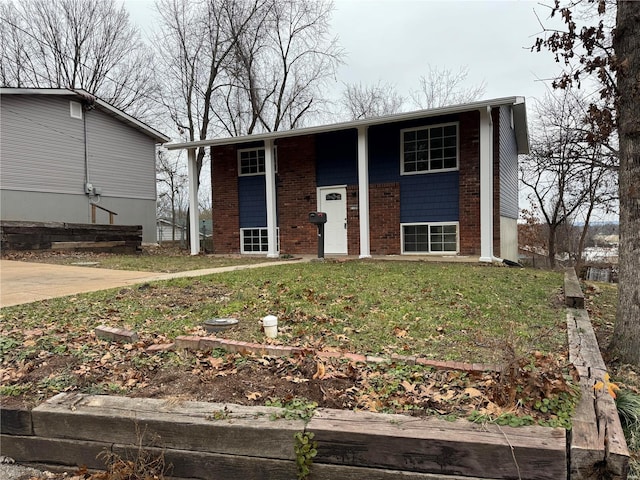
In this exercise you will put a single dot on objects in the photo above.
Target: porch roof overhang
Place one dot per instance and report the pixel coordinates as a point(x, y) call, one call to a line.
point(517, 103)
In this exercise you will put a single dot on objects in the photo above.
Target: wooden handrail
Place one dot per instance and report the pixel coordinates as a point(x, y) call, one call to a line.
point(93, 213)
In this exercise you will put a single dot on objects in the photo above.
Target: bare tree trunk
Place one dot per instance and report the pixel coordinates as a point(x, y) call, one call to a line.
point(626, 335)
point(583, 236)
point(552, 245)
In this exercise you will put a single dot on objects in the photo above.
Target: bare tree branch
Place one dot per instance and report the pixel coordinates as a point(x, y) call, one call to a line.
point(442, 86)
point(86, 44)
point(363, 101)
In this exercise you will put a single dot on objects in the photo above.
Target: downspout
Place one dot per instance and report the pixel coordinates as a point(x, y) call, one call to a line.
point(88, 103)
point(86, 153)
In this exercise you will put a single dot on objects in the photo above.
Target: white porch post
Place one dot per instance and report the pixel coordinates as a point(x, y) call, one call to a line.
point(486, 186)
point(270, 180)
point(363, 192)
point(194, 214)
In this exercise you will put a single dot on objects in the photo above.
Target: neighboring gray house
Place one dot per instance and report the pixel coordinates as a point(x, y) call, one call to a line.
point(63, 150)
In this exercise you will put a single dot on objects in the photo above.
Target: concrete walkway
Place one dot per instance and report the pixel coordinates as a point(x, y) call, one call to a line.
point(25, 282)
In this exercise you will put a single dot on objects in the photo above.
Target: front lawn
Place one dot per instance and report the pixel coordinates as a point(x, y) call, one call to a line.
point(469, 313)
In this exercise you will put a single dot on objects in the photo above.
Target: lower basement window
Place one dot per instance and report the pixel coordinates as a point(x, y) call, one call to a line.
point(430, 238)
point(255, 240)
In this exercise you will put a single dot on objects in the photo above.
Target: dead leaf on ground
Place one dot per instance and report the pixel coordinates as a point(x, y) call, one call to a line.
point(473, 392)
point(400, 332)
point(409, 387)
point(215, 362)
point(320, 371)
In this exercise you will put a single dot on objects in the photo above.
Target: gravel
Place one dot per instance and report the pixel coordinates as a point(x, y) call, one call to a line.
point(18, 472)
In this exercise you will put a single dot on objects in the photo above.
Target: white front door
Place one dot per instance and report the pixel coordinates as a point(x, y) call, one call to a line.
point(333, 201)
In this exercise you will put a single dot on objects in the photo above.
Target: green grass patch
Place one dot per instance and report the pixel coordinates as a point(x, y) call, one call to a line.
point(441, 311)
point(149, 260)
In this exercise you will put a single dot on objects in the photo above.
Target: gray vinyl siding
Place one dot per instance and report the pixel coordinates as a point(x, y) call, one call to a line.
point(42, 146)
point(42, 164)
point(59, 207)
point(121, 159)
point(508, 166)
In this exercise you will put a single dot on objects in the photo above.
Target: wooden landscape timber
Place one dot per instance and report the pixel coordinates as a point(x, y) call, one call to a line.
point(219, 441)
point(574, 298)
point(598, 448)
point(433, 445)
point(16, 235)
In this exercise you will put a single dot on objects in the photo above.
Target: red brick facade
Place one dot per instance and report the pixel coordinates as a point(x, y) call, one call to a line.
point(384, 212)
point(353, 220)
point(297, 196)
point(224, 185)
point(469, 184)
point(296, 184)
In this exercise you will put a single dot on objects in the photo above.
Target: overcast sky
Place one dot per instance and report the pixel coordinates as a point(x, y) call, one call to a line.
point(395, 40)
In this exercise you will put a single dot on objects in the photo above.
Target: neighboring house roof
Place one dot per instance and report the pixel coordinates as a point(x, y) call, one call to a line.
point(517, 103)
point(168, 223)
point(100, 104)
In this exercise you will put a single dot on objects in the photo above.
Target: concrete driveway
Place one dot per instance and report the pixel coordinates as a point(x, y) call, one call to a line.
point(25, 282)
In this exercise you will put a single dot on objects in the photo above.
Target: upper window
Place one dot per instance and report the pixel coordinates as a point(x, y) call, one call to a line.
point(429, 149)
point(251, 161)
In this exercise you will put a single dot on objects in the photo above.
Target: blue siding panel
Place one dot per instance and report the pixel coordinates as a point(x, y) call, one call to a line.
point(384, 147)
point(384, 153)
point(252, 200)
point(429, 198)
point(337, 158)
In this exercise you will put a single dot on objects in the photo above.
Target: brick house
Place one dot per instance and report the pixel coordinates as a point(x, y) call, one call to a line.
point(433, 182)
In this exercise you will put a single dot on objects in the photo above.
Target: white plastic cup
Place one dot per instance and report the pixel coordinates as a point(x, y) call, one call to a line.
point(270, 325)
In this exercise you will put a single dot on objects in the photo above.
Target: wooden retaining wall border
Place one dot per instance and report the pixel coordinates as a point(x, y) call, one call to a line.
point(221, 441)
point(597, 445)
point(20, 235)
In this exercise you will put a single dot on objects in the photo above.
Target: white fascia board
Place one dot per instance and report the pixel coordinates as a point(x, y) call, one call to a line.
point(35, 91)
point(399, 117)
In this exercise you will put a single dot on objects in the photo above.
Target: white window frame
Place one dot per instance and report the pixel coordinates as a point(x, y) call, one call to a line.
point(429, 127)
point(255, 149)
point(242, 250)
point(430, 224)
point(242, 150)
